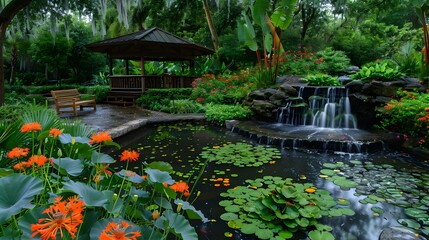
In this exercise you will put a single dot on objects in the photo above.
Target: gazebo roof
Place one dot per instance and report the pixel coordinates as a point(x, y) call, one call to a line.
point(151, 44)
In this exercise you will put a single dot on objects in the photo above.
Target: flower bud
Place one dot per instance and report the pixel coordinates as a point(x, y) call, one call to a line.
point(179, 207)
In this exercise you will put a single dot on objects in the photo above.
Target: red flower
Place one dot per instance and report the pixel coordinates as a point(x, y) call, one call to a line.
point(18, 152)
point(100, 137)
point(62, 216)
point(115, 231)
point(181, 187)
point(55, 132)
point(38, 160)
point(31, 127)
point(129, 156)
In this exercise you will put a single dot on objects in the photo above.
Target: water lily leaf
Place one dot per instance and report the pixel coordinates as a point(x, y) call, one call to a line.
point(72, 167)
point(228, 216)
point(264, 234)
point(320, 235)
point(232, 208)
point(12, 198)
point(347, 211)
point(377, 210)
point(356, 162)
point(285, 234)
point(345, 184)
point(328, 172)
point(409, 223)
point(416, 213)
point(235, 224)
point(225, 203)
point(330, 165)
point(249, 229)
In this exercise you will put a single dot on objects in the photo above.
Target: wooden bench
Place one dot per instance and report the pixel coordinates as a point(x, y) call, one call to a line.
point(71, 98)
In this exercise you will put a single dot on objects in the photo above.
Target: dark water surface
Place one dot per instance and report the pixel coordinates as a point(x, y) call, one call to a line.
point(180, 144)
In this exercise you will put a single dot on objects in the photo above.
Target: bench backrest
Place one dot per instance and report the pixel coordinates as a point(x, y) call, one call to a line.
point(65, 95)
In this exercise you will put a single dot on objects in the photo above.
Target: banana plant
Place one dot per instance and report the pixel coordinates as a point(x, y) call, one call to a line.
point(271, 45)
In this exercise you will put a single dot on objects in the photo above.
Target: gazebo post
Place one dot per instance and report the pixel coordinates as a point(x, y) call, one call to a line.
point(143, 74)
point(110, 66)
point(127, 65)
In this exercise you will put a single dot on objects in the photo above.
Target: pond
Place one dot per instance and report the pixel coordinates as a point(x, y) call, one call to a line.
point(379, 185)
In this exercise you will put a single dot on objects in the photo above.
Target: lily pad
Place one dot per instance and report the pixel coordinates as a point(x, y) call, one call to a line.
point(409, 223)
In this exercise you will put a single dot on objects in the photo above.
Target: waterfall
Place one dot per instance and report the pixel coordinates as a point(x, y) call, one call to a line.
point(323, 107)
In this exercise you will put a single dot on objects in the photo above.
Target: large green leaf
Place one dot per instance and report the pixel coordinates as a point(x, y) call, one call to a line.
point(320, 235)
point(98, 157)
point(191, 211)
point(159, 176)
point(73, 167)
point(283, 15)
point(17, 192)
point(90, 196)
point(31, 217)
point(259, 11)
point(178, 223)
point(66, 138)
point(162, 166)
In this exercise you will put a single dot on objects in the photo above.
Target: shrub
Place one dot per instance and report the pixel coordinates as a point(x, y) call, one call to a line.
point(300, 62)
point(408, 116)
point(322, 80)
point(333, 61)
point(183, 106)
point(226, 89)
point(154, 99)
point(218, 113)
point(100, 91)
point(380, 72)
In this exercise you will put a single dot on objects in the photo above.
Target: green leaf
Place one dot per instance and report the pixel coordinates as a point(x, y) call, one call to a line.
point(31, 217)
point(178, 223)
point(158, 176)
point(90, 196)
point(191, 211)
point(17, 191)
point(72, 167)
point(320, 235)
point(264, 234)
point(66, 138)
point(259, 11)
point(161, 166)
point(409, 223)
point(97, 157)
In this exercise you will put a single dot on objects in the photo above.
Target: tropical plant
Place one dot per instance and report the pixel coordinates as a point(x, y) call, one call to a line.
point(380, 72)
point(67, 190)
point(183, 106)
point(155, 99)
point(332, 62)
point(301, 62)
point(218, 113)
point(407, 59)
point(322, 80)
point(274, 208)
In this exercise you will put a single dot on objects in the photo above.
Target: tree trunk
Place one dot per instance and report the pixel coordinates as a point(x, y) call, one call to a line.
point(6, 16)
point(215, 38)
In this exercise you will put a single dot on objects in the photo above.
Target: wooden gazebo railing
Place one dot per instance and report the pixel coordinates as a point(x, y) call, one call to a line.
point(137, 83)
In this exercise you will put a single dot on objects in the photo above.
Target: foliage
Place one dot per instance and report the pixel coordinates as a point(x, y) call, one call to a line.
point(218, 113)
point(227, 88)
point(101, 92)
point(332, 61)
point(67, 178)
point(407, 59)
point(409, 116)
point(300, 62)
point(155, 99)
point(379, 72)
point(183, 106)
point(272, 207)
point(322, 80)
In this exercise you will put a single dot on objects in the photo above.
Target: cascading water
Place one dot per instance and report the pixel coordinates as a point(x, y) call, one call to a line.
point(318, 118)
point(326, 108)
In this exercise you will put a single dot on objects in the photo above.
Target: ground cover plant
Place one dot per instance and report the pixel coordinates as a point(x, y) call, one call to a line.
point(379, 72)
point(408, 116)
point(218, 113)
point(67, 189)
point(321, 80)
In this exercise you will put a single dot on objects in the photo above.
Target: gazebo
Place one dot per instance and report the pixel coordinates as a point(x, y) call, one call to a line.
point(152, 44)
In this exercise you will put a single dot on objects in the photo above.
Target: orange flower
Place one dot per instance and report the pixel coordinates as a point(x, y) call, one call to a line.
point(20, 166)
point(39, 160)
point(100, 137)
point(115, 231)
point(155, 215)
point(102, 169)
point(31, 127)
point(18, 152)
point(62, 215)
point(55, 132)
point(181, 187)
point(129, 156)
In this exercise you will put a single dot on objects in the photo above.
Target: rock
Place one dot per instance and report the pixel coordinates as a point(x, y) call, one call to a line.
point(344, 79)
point(229, 124)
point(381, 101)
point(288, 90)
point(352, 70)
point(279, 98)
point(414, 84)
point(355, 86)
point(378, 88)
point(263, 108)
point(399, 233)
point(294, 80)
point(262, 94)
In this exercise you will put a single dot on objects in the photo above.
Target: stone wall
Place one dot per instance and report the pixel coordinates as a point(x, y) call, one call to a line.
point(365, 98)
